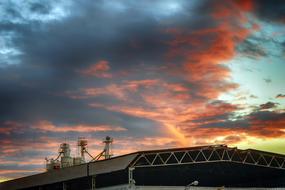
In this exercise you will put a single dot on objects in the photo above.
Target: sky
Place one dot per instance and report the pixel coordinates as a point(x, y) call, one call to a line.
point(152, 74)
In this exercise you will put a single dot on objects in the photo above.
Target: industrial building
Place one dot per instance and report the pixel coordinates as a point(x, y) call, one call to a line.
point(203, 167)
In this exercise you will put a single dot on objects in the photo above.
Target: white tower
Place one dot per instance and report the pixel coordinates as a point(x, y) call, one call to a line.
point(64, 149)
point(82, 146)
point(107, 150)
point(66, 159)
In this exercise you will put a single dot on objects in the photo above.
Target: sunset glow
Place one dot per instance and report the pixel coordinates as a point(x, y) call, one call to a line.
point(150, 74)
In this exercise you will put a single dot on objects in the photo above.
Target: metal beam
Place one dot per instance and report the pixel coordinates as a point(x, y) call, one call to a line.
point(93, 182)
point(210, 154)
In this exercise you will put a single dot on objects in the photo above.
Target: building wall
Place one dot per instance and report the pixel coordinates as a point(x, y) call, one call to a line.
point(214, 174)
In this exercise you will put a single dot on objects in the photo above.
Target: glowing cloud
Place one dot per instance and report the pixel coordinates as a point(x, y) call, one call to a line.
point(48, 126)
point(99, 69)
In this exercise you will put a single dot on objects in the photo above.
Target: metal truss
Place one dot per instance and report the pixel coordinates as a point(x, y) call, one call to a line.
point(209, 154)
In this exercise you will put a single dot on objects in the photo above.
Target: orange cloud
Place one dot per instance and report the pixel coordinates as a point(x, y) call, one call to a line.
point(120, 91)
point(145, 143)
point(204, 66)
point(10, 126)
point(48, 126)
point(229, 9)
point(267, 129)
point(99, 69)
point(245, 5)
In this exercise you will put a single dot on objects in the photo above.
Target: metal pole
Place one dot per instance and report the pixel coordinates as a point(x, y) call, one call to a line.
point(63, 186)
point(93, 183)
point(132, 182)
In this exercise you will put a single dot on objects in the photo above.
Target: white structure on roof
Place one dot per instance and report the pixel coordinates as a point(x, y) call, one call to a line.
point(64, 154)
point(107, 150)
point(82, 147)
point(66, 160)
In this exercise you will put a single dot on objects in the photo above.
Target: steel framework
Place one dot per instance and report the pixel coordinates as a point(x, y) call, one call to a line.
point(216, 153)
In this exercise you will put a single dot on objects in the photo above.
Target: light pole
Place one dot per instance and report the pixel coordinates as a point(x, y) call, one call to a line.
point(194, 183)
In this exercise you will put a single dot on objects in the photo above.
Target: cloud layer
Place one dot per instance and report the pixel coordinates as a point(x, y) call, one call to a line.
point(150, 74)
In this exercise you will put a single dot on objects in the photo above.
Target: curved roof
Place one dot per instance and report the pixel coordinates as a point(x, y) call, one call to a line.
point(149, 158)
point(211, 153)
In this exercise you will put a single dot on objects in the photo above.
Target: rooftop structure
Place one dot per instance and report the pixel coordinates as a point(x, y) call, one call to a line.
point(180, 168)
point(65, 157)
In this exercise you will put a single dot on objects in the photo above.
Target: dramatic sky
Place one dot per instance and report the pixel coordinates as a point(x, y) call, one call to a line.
point(151, 74)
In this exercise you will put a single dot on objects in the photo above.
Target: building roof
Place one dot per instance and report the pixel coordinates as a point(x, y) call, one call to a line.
point(148, 158)
point(73, 172)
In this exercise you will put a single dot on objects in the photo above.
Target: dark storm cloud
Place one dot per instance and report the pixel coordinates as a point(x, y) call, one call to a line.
point(261, 123)
point(270, 10)
point(41, 8)
point(268, 105)
point(267, 116)
point(251, 48)
point(53, 51)
point(82, 39)
point(233, 124)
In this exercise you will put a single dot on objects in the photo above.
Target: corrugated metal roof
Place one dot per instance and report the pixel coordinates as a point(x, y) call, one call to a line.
point(110, 165)
point(181, 149)
point(46, 178)
point(64, 174)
